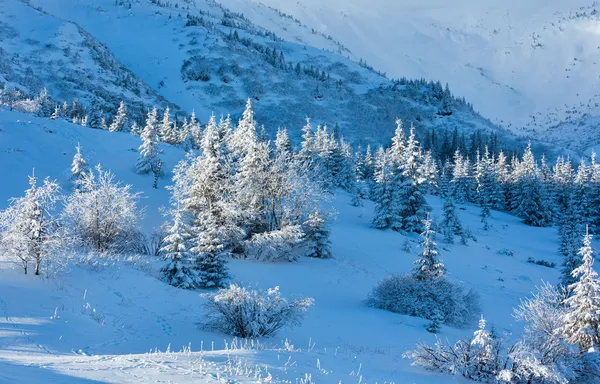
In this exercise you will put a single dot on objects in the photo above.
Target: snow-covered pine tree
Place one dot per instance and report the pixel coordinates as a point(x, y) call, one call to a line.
point(485, 362)
point(166, 126)
point(317, 236)
point(178, 272)
point(582, 319)
point(195, 130)
point(149, 149)
point(120, 121)
point(529, 198)
point(428, 264)
point(135, 129)
point(450, 223)
point(382, 194)
point(78, 166)
point(570, 230)
point(56, 114)
point(409, 200)
point(211, 250)
point(460, 182)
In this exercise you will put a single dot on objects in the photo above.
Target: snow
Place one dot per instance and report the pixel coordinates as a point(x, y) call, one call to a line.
point(98, 325)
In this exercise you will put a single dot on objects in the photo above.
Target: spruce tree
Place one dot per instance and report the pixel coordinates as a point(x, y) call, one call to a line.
point(582, 319)
point(428, 264)
point(409, 189)
point(450, 224)
point(211, 250)
point(383, 191)
point(78, 166)
point(317, 236)
point(120, 120)
point(178, 272)
point(149, 149)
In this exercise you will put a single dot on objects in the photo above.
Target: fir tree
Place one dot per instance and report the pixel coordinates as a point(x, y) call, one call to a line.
point(317, 236)
point(383, 191)
point(120, 120)
point(178, 272)
point(428, 264)
point(582, 320)
point(450, 224)
point(211, 249)
point(149, 150)
point(78, 166)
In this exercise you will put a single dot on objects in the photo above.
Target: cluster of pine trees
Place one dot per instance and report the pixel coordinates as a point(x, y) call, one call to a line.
point(240, 195)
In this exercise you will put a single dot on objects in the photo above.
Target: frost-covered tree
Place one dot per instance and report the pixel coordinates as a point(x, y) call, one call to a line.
point(149, 150)
point(450, 224)
point(484, 354)
point(178, 272)
point(28, 226)
point(210, 247)
point(56, 114)
point(428, 264)
point(78, 165)
point(570, 231)
point(317, 236)
point(101, 213)
point(582, 319)
point(409, 188)
point(460, 184)
point(383, 191)
point(120, 121)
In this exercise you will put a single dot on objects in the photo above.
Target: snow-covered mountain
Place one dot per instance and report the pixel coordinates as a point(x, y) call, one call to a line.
point(528, 65)
point(199, 56)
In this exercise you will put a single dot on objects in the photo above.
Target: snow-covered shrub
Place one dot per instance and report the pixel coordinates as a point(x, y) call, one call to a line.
point(477, 358)
point(441, 299)
point(243, 313)
point(275, 245)
point(102, 213)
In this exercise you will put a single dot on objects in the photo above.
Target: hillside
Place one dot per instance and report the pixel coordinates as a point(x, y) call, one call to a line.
point(528, 66)
point(97, 325)
point(203, 58)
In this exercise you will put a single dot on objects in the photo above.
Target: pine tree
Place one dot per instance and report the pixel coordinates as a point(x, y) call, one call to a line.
point(210, 263)
point(409, 188)
point(78, 166)
point(149, 150)
point(120, 120)
point(450, 224)
point(460, 183)
point(428, 265)
point(483, 351)
point(56, 114)
point(166, 126)
point(317, 236)
point(570, 230)
point(383, 191)
point(178, 272)
point(582, 320)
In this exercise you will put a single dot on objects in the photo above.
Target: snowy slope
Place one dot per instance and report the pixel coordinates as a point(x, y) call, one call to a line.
point(48, 52)
point(199, 67)
point(528, 65)
point(50, 331)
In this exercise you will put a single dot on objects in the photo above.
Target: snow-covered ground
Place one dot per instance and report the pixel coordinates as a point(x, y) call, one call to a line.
point(106, 325)
point(525, 64)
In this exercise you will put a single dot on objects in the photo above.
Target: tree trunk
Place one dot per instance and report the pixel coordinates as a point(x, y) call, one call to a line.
point(36, 270)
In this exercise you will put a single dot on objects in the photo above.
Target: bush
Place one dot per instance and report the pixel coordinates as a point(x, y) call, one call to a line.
point(239, 312)
point(274, 245)
point(441, 299)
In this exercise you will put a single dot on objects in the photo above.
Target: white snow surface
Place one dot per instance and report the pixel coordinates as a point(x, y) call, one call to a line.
point(528, 65)
point(109, 325)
